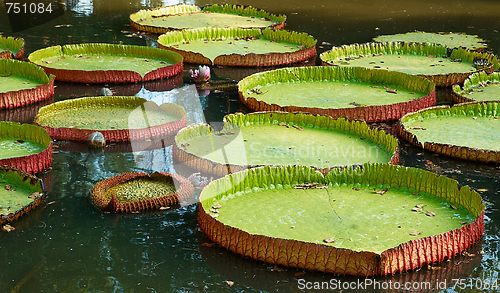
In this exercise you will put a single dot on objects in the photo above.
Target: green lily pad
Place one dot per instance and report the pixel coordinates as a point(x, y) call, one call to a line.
point(467, 131)
point(478, 87)
point(103, 63)
point(354, 93)
point(11, 48)
point(132, 192)
point(374, 220)
point(25, 147)
point(278, 138)
point(20, 192)
point(450, 40)
point(428, 60)
point(117, 118)
point(182, 16)
point(23, 83)
point(239, 47)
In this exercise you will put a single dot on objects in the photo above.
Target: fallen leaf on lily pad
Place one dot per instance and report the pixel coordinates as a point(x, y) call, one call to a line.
point(383, 191)
point(430, 213)
point(355, 188)
point(415, 233)
point(34, 195)
point(329, 240)
point(420, 205)
point(454, 207)
point(217, 206)
point(416, 209)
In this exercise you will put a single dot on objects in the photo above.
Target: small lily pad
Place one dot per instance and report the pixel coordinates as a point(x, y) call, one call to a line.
point(11, 48)
point(450, 40)
point(478, 87)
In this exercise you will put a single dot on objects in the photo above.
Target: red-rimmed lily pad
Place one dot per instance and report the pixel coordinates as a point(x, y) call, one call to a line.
point(429, 60)
point(182, 16)
point(279, 138)
point(11, 48)
point(25, 147)
point(23, 83)
point(20, 192)
point(450, 39)
point(478, 87)
point(136, 191)
point(239, 47)
point(107, 63)
point(294, 217)
point(117, 118)
point(354, 93)
point(467, 131)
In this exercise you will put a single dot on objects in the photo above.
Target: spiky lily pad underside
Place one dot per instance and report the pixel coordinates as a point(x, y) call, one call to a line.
point(20, 192)
point(182, 16)
point(427, 60)
point(324, 257)
point(107, 63)
point(466, 131)
point(450, 40)
point(279, 138)
point(117, 118)
point(239, 47)
point(23, 83)
point(136, 191)
point(478, 87)
point(24, 136)
point(383, 95)
point(11, 48)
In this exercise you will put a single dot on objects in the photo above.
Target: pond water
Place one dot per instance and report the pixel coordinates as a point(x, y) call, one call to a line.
point(67, 245)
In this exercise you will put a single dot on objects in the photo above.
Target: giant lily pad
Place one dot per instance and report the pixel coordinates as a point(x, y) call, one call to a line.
point(279, 138)
point(181, 16)
point(466, 131)
point(20, 192)
point(239, 47)
point(117, 118)
point(11, 48)
point(450, 40)
point(107, 63)
point(23, 83)
point(377, 220)
point(25, 147)
point(428, 60)
point(131, 192)
point(354, 93)
point(478, 87)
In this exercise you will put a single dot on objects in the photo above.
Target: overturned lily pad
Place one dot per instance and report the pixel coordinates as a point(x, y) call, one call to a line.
point(131, 192)
point(279, 138)
point(23, 83)
point(25, 147)
point(107, 63)
point(354, 93)
point(478, 87)
point(182, 16)
point(428, 60)
point(450, 40)
point(11, 48)
point(467, 131)
point(117, 118)
point(20, 192)
point(239, 47)
point(266, 214)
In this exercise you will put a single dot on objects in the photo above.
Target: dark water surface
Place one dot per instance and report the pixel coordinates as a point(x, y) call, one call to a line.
point(67, 245)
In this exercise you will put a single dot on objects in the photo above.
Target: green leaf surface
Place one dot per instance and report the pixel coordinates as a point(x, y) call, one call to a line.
point(480, 87)
point(450, 40)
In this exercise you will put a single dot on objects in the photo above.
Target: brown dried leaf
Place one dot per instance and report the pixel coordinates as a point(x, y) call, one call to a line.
point(207, 244)
point(34, 195)
point(392, 91)
point(416, 127)
point(430, 213)
point(8, 74)
point(217, 206)
point(230, 283)
point(8, 228)
point(464, 223)
point(299, 274)
point(454, 207)
point(329, 240)
point(355, 188)
point(416, 210)
point(214, 215)
point(415, 233)
point(164, 208)
point(298, 127)
point(284, 124)
point(383, 191)
point(420, 205)
point(48, 61)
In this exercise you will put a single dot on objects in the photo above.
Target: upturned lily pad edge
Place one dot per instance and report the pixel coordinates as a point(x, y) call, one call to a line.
point(113, 135)
point(472, 81)
point(30, 179)
point(247, 60)
point(184, 191)
point(369, 114)
point(14, 99)
point(15, 43)
point(440, 80)
point(297, 254)
point(184, 8)
point(300, 119)
point(108, 76)
point(480, 108)
point(34, 163)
